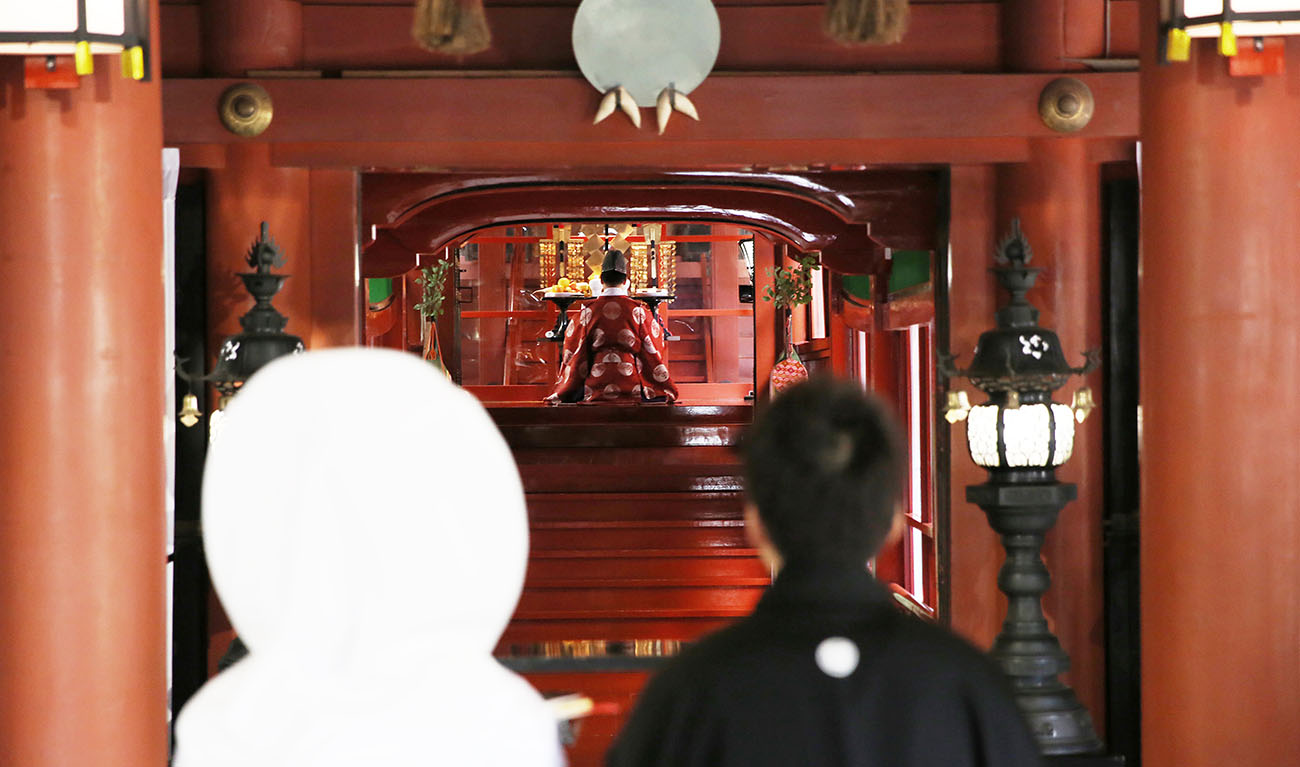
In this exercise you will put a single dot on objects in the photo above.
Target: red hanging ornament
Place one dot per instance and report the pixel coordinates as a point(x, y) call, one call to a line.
point(789, 369)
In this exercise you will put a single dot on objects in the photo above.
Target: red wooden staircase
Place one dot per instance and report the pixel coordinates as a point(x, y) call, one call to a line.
point(637, 545)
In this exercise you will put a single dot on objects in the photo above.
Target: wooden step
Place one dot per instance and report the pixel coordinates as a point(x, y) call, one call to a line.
point(621, 458)
point(667, 612)
point(578, 507)
point(636, 524)
point(636, 567)
point(637, 539)
point(667, 602)
point(606, 581)
point(542, 478)
point(550, 435)
point(693, 415)
point(578, 553)
point(523, 630)
point(614, 694)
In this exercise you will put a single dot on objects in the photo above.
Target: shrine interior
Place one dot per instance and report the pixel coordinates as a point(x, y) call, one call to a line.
point(1055, 237)
point(626, 564)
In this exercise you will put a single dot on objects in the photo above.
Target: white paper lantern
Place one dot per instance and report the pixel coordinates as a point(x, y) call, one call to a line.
point(1029, 436)
point(1249, 18)
point(79, 28)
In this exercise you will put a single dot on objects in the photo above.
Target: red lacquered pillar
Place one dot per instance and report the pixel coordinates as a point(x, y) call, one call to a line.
point(1055, 195)
point(240, 36)
point(244, 35)
point(977, 605)
point(84, 371)
point(1220, 428)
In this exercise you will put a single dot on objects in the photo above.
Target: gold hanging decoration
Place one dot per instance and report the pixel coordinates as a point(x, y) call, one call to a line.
point(190, 413)
point(454, 27)
point(866, 22)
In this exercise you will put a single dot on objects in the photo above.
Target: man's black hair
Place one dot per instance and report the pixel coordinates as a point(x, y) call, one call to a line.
point(612, 279)
point(823, 466)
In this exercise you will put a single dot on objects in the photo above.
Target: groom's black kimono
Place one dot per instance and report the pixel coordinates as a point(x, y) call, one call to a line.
point(753, 694)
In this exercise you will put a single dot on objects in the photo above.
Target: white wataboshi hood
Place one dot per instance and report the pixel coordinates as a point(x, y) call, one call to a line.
point(365, 529)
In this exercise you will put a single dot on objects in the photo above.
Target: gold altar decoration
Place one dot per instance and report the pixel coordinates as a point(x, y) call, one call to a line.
point(551, 252)
point(660, 259)
point(576, 252)
point(638, 262)
point(546, 260)
point(665, 257)
point(575, 267)
point(596, 648)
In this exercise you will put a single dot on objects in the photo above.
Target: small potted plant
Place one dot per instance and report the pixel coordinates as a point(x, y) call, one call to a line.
point(431, 279)
point(790, 287)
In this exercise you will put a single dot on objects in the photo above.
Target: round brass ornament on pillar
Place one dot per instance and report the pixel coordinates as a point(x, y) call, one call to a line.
point(245, 109)
point(1020, 436)
point(1066, 105)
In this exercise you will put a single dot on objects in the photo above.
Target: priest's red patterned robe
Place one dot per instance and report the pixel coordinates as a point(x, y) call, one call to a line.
point(613, 351)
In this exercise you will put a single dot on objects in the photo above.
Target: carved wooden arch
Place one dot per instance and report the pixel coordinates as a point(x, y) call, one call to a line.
point(794, 216)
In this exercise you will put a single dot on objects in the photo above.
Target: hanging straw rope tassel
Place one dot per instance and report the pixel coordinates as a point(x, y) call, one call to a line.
point(456, 27)
point(859, 22)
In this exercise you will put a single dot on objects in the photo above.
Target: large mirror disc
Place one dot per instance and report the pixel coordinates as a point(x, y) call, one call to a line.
point(646, 45)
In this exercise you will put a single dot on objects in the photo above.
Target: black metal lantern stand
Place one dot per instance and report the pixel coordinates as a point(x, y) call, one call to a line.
point(1021, 508)
point(263, 338)
point(1020, 436)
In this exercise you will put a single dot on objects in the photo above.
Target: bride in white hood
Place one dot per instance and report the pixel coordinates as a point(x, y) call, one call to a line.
point(365, 529)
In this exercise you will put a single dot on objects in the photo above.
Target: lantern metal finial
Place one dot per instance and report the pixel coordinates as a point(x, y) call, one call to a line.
point(1018, 355)
point(263, 338)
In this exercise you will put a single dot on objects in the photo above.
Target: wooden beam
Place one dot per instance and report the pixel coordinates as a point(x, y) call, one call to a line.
point(860, 197)
point(767, 36)
point(942, 36)
point(681, 155)
point(801, 220)
point(490, 120)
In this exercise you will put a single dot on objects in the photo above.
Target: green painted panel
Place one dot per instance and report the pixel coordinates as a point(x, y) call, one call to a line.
point(857, 285)
point(908, 268)
point(378, 289)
